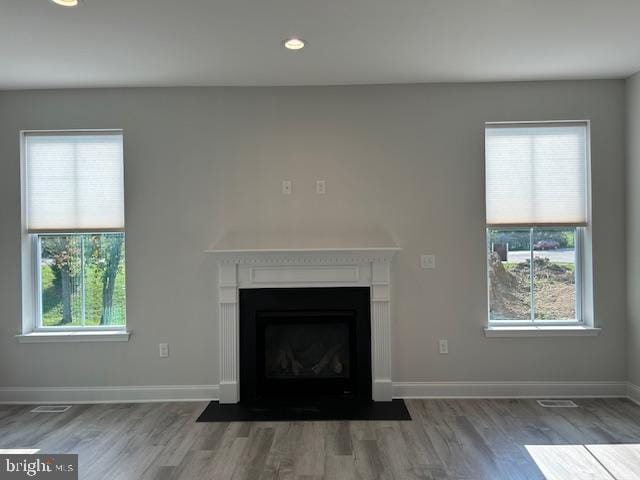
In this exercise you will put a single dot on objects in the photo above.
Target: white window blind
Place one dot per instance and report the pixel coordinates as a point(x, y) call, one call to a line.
point(536, 174)
point(74, 181)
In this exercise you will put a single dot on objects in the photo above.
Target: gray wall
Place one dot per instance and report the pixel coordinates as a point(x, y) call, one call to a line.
point(633, 227)
point(407, 159)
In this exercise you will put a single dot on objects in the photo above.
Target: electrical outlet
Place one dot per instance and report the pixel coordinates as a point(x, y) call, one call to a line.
point(163, 348)
point(428, 262)
point(321, 187)
point(444, 346)
point(286, 187)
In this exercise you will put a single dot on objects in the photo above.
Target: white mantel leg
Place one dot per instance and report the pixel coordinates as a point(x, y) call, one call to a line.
point(229, 334)
point(381, 331)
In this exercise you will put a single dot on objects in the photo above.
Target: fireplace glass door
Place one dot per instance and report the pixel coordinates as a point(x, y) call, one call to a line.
point(306, 350)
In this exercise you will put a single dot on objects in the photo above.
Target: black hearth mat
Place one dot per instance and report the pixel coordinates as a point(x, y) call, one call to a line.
point(317, 410)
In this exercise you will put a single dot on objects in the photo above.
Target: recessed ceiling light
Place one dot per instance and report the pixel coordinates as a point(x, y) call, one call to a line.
point(67, 3)
point(294, 43)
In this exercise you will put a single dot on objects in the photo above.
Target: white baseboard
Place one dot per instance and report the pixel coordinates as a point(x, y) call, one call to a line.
point(129, 394)
point(508, 389)
point(182, 393)
point(633, 393)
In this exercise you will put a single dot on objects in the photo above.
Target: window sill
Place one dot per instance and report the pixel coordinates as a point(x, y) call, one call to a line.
point(55, 337)
point(542, 331)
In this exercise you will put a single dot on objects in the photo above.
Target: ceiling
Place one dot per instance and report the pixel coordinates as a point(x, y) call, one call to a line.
point(106, 43)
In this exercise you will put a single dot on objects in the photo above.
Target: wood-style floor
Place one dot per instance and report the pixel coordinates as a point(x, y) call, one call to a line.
point(447, 439)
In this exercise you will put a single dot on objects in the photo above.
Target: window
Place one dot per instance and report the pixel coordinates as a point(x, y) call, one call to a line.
point(547, 291)
point(537, 212)
point(73, 204)
point(82, 280)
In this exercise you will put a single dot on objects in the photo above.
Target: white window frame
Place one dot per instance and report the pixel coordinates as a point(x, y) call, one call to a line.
point(579, 281)
point(585, 323)
point(32, 330)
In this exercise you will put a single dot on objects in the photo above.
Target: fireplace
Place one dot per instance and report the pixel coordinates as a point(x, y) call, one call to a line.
point(248, 262)
point(305, 342)
point(305, 325)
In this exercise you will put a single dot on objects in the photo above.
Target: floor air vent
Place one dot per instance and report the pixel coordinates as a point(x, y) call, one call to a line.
point(557, 403)
point(51, 409)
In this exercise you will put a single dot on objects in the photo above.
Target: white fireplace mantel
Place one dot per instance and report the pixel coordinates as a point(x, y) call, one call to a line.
point(365, 261)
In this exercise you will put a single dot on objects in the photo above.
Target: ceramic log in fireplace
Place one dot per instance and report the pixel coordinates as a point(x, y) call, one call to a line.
point(305, 342)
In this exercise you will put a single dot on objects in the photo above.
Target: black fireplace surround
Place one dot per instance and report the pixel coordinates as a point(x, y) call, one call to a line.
point(305, 355)
point(298, 343)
